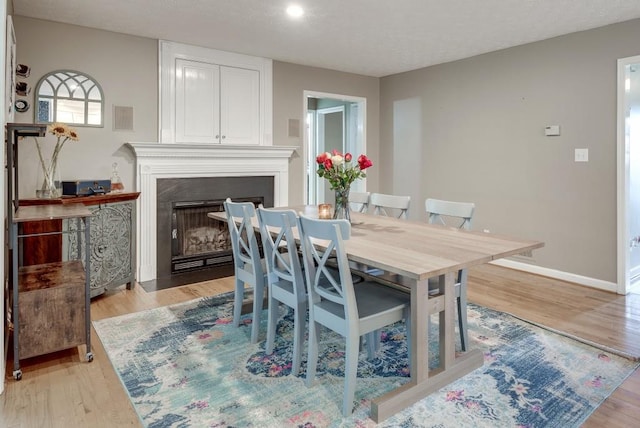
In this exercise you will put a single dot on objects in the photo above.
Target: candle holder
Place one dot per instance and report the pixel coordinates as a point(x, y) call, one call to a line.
point(324, 211)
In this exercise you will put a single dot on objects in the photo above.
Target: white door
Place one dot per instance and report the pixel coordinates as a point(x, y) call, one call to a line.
point(330, 136)
point(239, 106)
point(197, 102)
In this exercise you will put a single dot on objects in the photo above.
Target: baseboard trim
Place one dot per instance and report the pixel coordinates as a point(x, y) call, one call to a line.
point(557, 274)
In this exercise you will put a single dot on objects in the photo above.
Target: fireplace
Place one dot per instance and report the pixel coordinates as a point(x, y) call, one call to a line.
point(197, 241)
point(192, 247)
point(156, 162)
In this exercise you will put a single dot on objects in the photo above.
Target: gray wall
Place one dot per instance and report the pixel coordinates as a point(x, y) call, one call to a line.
point(482, 121)
point(289, 83)
point(126, 67)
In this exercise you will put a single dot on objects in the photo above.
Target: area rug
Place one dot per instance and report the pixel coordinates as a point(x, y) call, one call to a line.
point(185, 366)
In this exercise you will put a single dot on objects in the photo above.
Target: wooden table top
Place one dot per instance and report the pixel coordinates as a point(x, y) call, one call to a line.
point(418, 250)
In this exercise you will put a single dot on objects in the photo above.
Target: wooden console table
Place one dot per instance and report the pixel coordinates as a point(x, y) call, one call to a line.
point(113, 246)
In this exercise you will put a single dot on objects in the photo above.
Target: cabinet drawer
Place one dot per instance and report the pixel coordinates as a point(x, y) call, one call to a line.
point(51, 307)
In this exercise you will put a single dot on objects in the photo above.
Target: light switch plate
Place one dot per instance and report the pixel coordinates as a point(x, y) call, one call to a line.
point(582, 155)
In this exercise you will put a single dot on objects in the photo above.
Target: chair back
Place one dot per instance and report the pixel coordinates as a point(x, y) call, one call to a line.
point(387, 204)
point(324, 281)
point(359, 201)
point(449, 213)
point(277, 232)
point(246, 253)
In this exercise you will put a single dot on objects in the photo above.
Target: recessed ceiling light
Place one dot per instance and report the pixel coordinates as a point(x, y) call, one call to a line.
point(295, 11)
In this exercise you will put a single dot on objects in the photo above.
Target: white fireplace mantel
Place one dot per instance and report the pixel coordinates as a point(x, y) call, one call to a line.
point(155, 160)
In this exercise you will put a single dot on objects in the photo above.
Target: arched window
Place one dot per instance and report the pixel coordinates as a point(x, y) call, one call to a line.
point(69, 97)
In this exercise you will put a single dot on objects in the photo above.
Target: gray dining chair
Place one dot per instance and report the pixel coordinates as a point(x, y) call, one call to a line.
point(248, 266)
point(359, 201)
point(456, 214)
point(389, 205)
point(285, 276)
point(336, 303)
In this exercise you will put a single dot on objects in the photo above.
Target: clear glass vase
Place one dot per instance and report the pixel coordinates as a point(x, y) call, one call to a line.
point(343, 209)
point(48, 179)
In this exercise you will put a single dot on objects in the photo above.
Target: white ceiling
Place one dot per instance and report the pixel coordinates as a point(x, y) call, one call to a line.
point(370, 37)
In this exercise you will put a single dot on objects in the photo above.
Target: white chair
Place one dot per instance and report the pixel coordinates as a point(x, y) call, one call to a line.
point(359, 201)
point(336, 303)
point(249, 268)
point(285, 277)
point(458, 214)
point(388, 204)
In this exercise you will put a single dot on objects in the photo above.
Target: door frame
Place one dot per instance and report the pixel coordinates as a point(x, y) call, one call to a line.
point(623, 179)
point(308, 164)
point(320, 128)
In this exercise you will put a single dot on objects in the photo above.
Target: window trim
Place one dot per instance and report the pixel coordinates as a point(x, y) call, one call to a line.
point(71, 75)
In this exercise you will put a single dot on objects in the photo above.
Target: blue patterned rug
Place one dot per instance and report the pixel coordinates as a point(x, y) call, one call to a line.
point(185, 366)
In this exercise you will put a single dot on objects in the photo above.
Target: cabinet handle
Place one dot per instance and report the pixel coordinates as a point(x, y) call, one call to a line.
point(217, 136)
point(224, 136)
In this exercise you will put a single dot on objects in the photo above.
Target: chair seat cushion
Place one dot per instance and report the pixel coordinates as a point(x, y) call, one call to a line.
point(371, 298)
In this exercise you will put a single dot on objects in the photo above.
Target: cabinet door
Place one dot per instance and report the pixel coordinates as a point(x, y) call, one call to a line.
point(197, 102)
point(112, 245)
point(239, 106)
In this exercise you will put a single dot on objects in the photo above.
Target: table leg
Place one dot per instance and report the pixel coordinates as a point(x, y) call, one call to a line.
point(447, 341)
point(419, 358)
point(423, 382)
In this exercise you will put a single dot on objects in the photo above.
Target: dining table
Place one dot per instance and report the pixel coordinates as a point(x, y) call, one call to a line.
point(406, 253)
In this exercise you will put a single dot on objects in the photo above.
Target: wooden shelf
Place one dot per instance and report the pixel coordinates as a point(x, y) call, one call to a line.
point(84, 200)
point(50, 212)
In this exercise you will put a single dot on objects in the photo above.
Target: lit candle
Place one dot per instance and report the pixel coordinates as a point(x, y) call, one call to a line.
point(324, 211)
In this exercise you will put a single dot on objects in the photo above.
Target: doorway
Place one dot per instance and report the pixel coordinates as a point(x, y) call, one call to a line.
point(628, 253)
point(332, 121)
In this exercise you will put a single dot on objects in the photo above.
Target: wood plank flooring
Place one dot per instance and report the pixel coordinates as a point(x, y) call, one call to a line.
point(62, 390)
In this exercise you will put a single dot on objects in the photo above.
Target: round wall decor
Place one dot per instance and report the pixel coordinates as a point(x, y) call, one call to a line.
point(21, 106)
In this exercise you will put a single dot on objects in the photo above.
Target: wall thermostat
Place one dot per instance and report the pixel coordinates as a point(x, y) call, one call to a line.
point(552, 130)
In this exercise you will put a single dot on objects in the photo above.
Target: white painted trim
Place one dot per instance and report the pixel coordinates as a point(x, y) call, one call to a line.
point(556, 274)
point(154, 160)
point(3, 120)
point(168, 52)
point(305, 144)
point(623, 180)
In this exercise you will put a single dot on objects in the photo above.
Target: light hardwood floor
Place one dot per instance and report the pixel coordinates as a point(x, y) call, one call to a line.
point(62, 390)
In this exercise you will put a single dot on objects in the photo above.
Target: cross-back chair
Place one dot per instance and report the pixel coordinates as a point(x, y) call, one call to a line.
point(285, 276)
point(359, 201)
point(248, 265)
point(336, 303)
point(457, 214)
point(389, 204)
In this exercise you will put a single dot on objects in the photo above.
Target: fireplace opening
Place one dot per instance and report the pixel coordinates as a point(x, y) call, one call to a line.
point(198, 241)
point(190, 246)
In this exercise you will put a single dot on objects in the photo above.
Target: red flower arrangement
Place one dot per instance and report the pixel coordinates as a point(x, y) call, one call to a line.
point(339, 171)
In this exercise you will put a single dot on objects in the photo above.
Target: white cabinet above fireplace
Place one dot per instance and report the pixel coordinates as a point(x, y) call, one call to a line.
point(214, 97)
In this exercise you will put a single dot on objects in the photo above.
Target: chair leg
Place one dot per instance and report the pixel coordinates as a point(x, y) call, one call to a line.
point(350, 374)
point(237, 302)
point(373, 343)
point(462, 320)
point(272, 323)
point(312, 358)
point(298, 338)
point(258, 298)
